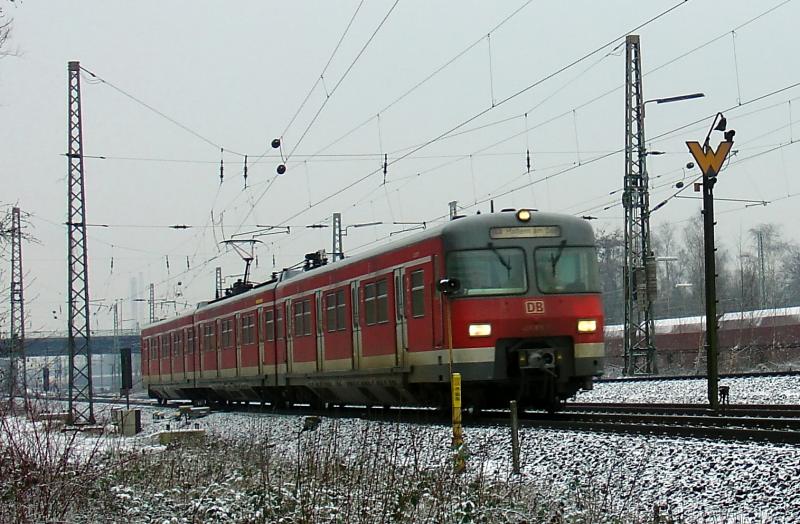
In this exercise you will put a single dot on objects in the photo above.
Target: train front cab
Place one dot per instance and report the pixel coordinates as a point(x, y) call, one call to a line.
point(525, 293)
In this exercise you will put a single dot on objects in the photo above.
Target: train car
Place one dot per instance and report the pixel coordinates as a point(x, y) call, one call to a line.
point(510, 300)
point(766, 339)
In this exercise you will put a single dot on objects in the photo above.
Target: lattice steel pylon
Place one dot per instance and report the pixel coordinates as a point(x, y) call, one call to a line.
point(81, 406)
point(220, 291)
point(152, 303)
point(337, 252)
point(17, 372)
point(639, 271)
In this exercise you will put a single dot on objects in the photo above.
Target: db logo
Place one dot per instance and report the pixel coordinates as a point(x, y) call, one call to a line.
point(534, 307)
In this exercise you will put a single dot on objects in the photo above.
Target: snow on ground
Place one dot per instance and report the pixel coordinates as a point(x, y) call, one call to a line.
point(595, 477)
point(690, 480)
point(743, 390)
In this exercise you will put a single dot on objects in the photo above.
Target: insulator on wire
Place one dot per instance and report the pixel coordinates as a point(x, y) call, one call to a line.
point(112, 265)
point(529, 160)
point(385, 166)
point(221, 165)
point(245, 171)
point(187, 262)
point(166, 257)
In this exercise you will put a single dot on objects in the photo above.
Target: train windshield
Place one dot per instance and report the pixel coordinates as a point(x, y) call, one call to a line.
point(493, 271)
point(564, 269)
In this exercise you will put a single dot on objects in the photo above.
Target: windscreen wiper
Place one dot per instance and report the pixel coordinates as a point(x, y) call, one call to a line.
point(503, 261)
point(555, 258)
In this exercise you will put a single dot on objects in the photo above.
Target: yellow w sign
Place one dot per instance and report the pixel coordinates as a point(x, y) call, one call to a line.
point(710, 161)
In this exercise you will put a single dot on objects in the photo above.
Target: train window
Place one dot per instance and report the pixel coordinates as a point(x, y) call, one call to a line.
point(340, 310)
point(330, 311)
point(493, 271)
point(248, 328)
point(335, 311)
point(566, 270)
point(208, 337)
point(176, 344)
point(164, 346)
point(418, 293)
point(381, 302)
point(190, 340)
point(306, 317)
point(298, 318)
point(279, 322)
point(369, 304)
point(302, 318)
point(269, 325)
point(227, 333)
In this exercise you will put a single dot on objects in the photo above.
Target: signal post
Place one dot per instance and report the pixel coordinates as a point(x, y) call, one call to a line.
point(710, 163)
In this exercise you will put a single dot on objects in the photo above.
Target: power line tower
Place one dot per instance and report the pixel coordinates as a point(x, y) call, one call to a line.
point(337, 253)
point(639, 272)
point(81, 406)
point(219, 285)
point(115, 382)
point(17, 370)
point(152, 303)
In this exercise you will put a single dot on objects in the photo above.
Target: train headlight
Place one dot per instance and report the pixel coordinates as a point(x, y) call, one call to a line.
point(480, 330)
point(587, 326)
point(523, 215)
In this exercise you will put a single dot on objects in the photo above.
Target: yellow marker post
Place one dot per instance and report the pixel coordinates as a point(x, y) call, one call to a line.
point(460, 462)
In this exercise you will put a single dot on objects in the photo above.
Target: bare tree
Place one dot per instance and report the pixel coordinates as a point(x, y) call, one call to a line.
point(769, 245)
point(611, 257)
point(5, 29)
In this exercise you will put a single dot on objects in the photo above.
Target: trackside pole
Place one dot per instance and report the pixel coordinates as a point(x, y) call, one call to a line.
point(460, 463)
point(514, 437)
point(459, 458)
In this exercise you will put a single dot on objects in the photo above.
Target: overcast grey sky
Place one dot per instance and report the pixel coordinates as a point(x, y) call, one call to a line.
point(235, 73)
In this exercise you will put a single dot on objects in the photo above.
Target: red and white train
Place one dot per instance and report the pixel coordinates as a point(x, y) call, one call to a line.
point(510, 300)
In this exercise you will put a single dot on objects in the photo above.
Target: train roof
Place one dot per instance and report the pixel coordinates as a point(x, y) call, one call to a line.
point(571, 226)
point(668, 325)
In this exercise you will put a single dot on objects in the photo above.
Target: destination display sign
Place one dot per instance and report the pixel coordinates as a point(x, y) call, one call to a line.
point(525, 232)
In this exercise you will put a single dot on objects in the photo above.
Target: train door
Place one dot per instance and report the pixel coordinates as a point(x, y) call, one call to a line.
point(401, 329)
point(194, 349)
point(319, 332)
point(185, 355)
point(260, 340)
point(419, 285)
point(238, 342)
point(218, 345)
point(354, 309)
point(289, 334)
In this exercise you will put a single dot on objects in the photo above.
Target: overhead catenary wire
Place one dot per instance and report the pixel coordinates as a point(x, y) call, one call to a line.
point(488, 109)
point(422, 82)
point(157, 111)
point(299, 155)
point(324, 70)
point(339, 82)
point(618, 151)
point(620, 86)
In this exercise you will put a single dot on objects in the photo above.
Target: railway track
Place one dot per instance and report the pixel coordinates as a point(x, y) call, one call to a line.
point(739, 422)
point(651, 378)
point(735, 410)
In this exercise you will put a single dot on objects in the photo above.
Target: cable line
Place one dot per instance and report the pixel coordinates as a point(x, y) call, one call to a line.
point(324, 69)
point(339, 82)
point(156, 111)
point(484, 111)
